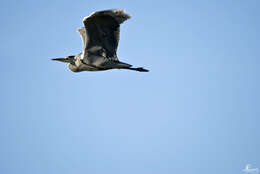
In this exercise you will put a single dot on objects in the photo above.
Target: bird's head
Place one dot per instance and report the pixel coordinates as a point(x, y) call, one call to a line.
point(68, 59)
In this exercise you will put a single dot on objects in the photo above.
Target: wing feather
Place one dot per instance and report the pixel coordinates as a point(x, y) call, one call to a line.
point(83, 35)
point(102, 30)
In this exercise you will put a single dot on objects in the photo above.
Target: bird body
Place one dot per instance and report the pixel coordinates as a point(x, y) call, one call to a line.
point(100, 37)
point(97, 63)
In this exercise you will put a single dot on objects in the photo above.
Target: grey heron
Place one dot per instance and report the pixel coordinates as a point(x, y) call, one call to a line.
point(100, 37)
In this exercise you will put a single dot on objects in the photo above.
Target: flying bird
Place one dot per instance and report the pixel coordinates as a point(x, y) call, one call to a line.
point(100, 37)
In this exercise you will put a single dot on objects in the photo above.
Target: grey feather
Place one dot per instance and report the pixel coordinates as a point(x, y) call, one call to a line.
point(83, 35)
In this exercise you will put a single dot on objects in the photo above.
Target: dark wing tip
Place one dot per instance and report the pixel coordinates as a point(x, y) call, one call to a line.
point(118, 14)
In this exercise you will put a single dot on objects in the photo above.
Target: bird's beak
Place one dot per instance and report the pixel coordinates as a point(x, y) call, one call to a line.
point(65, 60)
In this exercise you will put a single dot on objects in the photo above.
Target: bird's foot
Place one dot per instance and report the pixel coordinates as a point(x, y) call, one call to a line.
point(141, 69)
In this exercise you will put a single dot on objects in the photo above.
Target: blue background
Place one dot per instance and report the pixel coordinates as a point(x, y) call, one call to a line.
point(196, 111)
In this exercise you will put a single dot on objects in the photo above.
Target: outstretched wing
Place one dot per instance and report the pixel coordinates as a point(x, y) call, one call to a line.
point(102, 32)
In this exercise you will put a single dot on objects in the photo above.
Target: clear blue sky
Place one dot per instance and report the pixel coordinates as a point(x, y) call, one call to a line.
point(196, 111)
